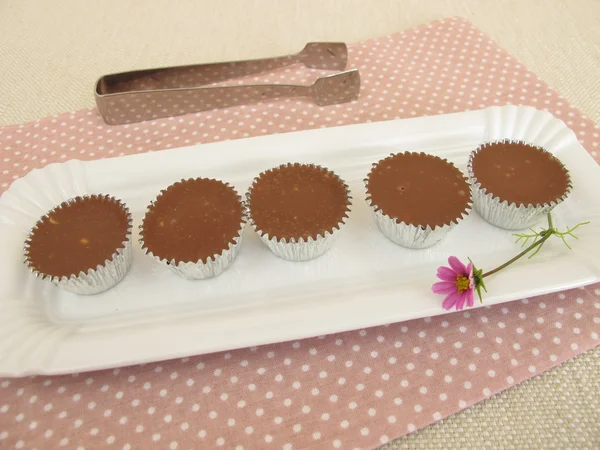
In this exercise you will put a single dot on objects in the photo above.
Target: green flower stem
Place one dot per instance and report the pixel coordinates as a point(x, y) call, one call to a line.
point(545, 236)
point(539, 238)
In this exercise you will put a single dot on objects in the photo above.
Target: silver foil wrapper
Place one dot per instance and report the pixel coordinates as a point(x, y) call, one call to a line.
point(503, 214)
point(200, 270)
point(408, 235)
point(301, 249)
point(97, 280)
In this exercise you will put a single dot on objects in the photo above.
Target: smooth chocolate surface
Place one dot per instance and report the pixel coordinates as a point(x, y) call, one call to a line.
point(520, 173)
point(295, 201)
point(418, 189)
point(78, 236)
point(193, 220)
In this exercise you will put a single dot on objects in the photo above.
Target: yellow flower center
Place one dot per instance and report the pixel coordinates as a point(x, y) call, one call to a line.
point(462, 283)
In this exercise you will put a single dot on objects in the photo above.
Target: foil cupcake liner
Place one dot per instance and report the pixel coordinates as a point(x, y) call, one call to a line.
point(104, 276)
point(504, 214)
point(300, 249)
point(406, 234)
point(213, 265)
point(411, 236)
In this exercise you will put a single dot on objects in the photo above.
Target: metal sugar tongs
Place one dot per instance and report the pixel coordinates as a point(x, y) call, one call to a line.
point(130, 97)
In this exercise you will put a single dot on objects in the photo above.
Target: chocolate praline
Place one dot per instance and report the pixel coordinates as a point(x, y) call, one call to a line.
point(298, 209)
point(298, 201)
point(195, 227)
point(416, 197)
point(520, 173)
point(82, 245)
point(515, 184)
point(418, 189)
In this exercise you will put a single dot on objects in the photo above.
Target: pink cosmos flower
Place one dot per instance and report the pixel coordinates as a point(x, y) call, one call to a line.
point(457, 284)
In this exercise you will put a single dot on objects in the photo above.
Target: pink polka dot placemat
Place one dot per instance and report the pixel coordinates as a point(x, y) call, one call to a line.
point(351, 390)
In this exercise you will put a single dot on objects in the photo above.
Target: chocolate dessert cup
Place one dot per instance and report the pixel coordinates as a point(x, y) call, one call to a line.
point(83, 245)
point(416, 198)
point(298, 209)
point(194, 227)
point(515, 184)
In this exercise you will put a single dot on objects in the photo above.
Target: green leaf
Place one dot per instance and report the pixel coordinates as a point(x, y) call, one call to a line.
point(478, 289)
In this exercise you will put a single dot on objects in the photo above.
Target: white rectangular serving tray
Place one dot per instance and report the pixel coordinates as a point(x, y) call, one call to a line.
point(365, 280)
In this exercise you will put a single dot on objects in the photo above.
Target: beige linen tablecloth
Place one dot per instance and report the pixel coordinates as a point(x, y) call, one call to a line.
point(53, 52)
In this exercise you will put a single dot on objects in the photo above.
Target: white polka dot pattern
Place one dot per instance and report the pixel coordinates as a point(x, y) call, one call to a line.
point(352, 390)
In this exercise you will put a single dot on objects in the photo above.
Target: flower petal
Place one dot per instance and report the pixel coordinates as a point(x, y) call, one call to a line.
point(470, 276)
point(460, 304)
point(457, 266)
point(451, 300)
point(470, 297)
point(446, 273)
point(444, 287)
